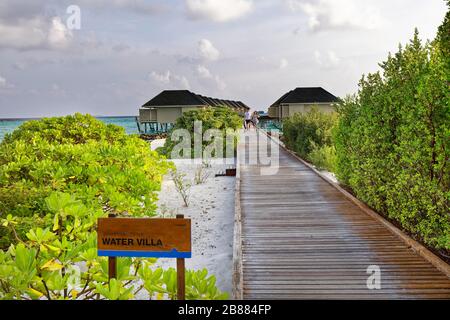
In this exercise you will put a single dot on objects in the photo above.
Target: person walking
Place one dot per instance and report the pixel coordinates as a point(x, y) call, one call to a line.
point(255, 119)
point(247, 120)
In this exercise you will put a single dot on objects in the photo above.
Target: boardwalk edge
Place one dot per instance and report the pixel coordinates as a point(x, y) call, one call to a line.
point(411, 243)
point(237, 236)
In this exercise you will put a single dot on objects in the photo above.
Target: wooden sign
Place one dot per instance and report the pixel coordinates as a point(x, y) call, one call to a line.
point(144, 237)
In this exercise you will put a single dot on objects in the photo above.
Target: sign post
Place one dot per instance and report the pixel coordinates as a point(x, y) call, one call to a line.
point(148, 238)
point(181, 285)
point(112, 261)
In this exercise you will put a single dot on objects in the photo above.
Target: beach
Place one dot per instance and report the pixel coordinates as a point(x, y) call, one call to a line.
point(211, 208)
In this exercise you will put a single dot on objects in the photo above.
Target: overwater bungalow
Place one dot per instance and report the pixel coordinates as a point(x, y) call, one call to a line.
point(160, 113)
point(301, 100)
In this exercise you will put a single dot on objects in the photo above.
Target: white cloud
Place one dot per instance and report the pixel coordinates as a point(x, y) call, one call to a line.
point(284, 63)
point(333, 58)
point(26, 34)
point(2, 82)
point(121, 47)
point(218, 10)
point(261, 59)
point(203, 72)
point(19, 66)
point(182, 82)
point(59, 36)
point(56, 90)
point(163, 77)
point(220, 83)
point(332, 14)
point(35, 33)
point(136, 6)
point(297, 31)
point(168, 79)
point(329, 60)
point(207, 50)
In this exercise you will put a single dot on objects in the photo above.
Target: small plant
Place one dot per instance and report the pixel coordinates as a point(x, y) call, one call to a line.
point(166, 212)
point(207, 164)
point(201, 173)
point(182, 185)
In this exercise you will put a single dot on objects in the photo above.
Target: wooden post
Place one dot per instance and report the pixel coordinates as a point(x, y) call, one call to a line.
point(181, 284)
point(112, 261)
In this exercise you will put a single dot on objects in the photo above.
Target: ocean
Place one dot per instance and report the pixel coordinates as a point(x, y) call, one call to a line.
point(129, 123)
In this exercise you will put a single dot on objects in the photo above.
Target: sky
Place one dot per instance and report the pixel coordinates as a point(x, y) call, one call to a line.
point(109, 57)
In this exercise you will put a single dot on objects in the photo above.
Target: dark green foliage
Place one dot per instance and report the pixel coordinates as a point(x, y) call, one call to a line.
point(310, 135)
point(75, 129)
point(97, 164)
point(393, 141)
point(220, 118)
point(57, 177)
point(443, 37)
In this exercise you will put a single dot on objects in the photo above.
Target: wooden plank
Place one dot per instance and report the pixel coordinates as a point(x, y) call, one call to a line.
point(304, 239)
point(237, 292)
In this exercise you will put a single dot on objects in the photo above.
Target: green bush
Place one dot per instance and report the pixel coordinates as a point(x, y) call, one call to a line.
point(223, 119)
point(76, 129)
point(324, 158)
point(393, 140)
point(100, 166)
point(55, 182)
point(310, 136)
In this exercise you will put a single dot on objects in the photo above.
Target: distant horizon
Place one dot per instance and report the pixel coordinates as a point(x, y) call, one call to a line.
point(37, 118)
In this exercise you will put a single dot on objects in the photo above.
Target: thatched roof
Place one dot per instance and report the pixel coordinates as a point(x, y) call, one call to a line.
point(306, 95)
point(187, 98)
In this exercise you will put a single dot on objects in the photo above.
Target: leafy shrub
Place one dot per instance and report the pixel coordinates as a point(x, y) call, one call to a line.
point(55, 183)
point(324, 158)
point(48, 266)
point(101, 167)
point(393, 141)
point(199, 286)
point(76, 129)
point(310, 135)
point(223, 119)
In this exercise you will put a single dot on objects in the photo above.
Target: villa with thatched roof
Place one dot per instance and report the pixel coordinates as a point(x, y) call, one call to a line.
point(301, 100)
point(169, 105)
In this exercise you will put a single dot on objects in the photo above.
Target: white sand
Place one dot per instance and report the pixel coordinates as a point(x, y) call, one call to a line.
point(212, 212)
point(330, 175)
point(157, 143)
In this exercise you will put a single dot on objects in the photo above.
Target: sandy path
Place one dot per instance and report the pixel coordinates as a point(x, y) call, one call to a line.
point(212, 212)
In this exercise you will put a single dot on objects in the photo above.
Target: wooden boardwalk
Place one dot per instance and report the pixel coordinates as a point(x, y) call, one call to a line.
point(303, 239)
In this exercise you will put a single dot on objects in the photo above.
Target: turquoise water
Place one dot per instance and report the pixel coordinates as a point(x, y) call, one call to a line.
point(270, 126)
point(129, 123)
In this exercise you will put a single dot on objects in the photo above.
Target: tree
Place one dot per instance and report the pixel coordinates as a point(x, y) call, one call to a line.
point(393, 139)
